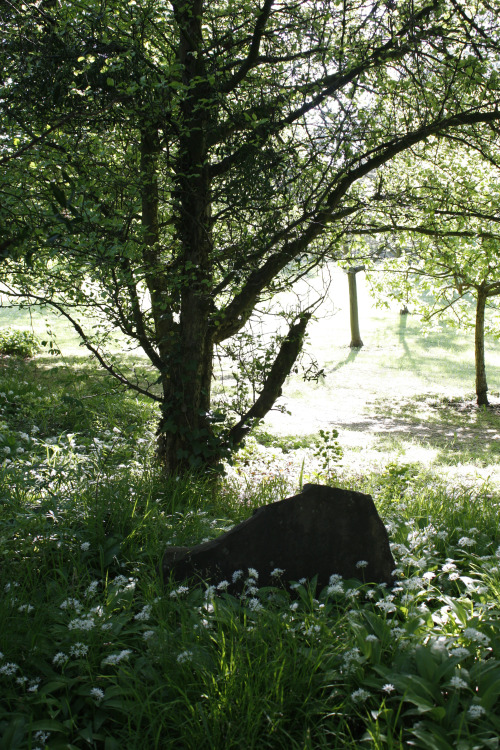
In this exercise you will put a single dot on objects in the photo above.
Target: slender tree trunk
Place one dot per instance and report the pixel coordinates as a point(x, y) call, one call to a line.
point(356, 342)
point(481, 385)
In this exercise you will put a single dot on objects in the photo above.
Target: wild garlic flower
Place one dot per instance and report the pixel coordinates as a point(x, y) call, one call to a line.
point(475, 711)
point(178, 591)
point(458, 683)
point(277, 572)
point(113, 659)
point(255, 605)
point(82, 623)
point(9, 669)
point(144, 614)
point(360, 695)
point(362, 563)
point(78, 649)
point(476, 636)
point(97, 694)
point(184, 656)
point(466, 541)
point(388, 687)
point(91, 588)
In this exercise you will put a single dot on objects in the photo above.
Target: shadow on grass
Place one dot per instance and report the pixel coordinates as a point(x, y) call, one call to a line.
point(353, 353)
point(458, 428)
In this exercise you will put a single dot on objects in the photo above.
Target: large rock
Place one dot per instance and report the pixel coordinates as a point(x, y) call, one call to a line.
point(321, 531)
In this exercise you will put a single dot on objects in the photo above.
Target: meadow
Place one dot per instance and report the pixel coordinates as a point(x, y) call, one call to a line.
point(96, 653)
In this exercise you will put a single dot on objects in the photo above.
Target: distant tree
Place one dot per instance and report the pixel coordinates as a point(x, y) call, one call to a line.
point(356, 342)
point(168, 166)
point(440, 219)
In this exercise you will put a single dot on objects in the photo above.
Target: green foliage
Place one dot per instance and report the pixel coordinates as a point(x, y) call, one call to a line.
point(96, 652)
point(329, 452)
point(17, 343)
point(161, 183)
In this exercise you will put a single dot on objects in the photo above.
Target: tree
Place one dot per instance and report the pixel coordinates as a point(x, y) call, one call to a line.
point(356, 342)
point(170, 166)
point(439, 216)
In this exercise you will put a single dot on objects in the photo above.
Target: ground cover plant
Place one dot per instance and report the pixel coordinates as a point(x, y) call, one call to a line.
point(96, 653)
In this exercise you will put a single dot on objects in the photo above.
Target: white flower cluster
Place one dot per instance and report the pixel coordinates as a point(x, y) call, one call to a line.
point(114, 659)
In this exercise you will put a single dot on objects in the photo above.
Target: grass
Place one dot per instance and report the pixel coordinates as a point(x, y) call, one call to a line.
point(97, 653)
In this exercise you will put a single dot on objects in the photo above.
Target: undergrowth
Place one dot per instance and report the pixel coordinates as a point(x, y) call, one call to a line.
point(96, 652)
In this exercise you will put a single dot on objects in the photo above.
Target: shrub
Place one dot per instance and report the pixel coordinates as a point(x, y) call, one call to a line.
point(18, 343)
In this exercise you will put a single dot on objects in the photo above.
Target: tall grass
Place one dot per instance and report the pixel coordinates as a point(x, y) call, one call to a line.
point(96, 652)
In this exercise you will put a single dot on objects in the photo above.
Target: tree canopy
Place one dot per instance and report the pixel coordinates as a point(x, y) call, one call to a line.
point(167, 166)
point(437, 227)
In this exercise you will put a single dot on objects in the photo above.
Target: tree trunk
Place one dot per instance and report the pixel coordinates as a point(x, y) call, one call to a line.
point(186, 440)
point(481, 385)
point(356, 342)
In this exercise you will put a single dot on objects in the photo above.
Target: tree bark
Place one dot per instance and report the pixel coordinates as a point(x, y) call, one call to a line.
point(481, 385)
point(186, 440)
point(356, 342)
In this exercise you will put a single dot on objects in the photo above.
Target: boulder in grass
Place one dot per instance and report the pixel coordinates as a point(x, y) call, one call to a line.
point(319, 532)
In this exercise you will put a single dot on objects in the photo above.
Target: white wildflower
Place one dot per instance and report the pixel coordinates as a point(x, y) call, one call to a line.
point(184, 656)
point(294, 606)
point(91, 588)
point(148, 634)
point(277, 572)
point(476, 636)
point(9, 669)
point(71, 604)
point(337, 588)
point(34, 685)
point(252, 573)
point(85, 546)
point(41, 737)
point(466, 541)
point(97, 694)
point(237, 575)
point(59, 658)
point(255, 605)
point(429, 575)
point(460, 652)
point(82, 623)
point(334, 578)
point(25, 608)
point(360, 695)
point(117, 658)
point(371, 638)
point(388, 687)
point(475, 711)
point(362, 563)
point(222, 586)
point(179, 591)
point(144, 614)
point(458, 682)
point(79, 649)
